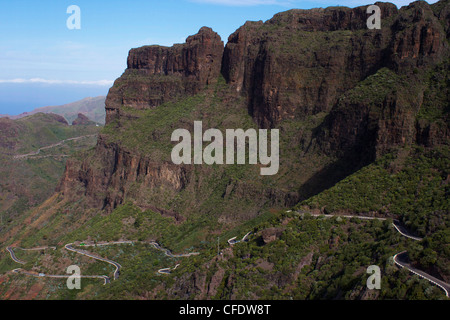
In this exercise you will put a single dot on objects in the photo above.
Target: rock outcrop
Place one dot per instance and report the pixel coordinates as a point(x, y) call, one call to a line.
point(374, 90)
point(106, 187)
point(82, 120)
point(156, 74)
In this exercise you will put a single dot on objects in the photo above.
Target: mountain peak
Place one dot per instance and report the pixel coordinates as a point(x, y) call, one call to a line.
point(82, 120)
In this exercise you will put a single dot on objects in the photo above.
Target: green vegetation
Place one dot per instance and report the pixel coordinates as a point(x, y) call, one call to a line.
point(411, 186)
point(375, 88)
point(39, 130)
point(307, 258)
point(26, 182)
point(436, 106)
point(310, 258)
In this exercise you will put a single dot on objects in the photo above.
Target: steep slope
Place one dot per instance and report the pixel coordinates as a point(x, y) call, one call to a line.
point(158, 74)
point(33, 159)
point(341, 94)
point(93, 108)
point(82, 120)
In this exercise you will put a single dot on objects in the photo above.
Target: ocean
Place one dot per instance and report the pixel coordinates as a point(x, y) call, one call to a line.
point(16, 98)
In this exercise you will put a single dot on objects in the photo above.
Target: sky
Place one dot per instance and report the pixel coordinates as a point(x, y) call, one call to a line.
point(43, 62)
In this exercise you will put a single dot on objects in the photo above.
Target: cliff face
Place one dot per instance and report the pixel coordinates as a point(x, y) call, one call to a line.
point(301, 61)
point(82, 120)
point(383, 112)
point(118, 171)
point(158, 74)
point(366, 91)
point(30, 172)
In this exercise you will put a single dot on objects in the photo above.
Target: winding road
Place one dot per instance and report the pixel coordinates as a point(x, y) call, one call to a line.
point(167, 270)
point(93, 256)
point(167, 252)
point(401, 258)
point(38, 275)
point(233, 241)
point(24, 156)
point(13, 256)
point(106, 279)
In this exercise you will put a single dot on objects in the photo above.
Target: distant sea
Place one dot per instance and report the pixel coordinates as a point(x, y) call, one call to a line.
point(16, 98)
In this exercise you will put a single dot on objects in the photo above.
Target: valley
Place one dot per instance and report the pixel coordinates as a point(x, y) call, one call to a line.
point(362, 159)
point(399, 259)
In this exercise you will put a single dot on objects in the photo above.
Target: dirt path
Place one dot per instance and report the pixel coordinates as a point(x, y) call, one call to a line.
point(35, 153)
point(106, 279)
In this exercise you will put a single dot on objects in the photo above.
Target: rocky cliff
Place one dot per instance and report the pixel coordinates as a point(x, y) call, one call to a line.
point(82, 120)
point(342, 95)
point(158, 74)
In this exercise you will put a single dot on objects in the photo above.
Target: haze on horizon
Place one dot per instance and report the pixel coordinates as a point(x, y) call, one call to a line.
point(44, 63)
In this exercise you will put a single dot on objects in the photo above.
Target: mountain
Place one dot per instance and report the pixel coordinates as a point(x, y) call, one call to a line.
point(82, 120)
point(93, 108)
point(341, 95)
point(363, 120)
point(34, 150)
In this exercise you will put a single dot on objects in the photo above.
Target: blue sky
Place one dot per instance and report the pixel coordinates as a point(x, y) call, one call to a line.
point(38, 52)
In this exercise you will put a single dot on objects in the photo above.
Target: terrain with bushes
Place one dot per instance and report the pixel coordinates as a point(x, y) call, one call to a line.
point(363, 117)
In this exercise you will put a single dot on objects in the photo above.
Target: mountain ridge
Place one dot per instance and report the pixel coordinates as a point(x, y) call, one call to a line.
point(348, 133)
point(92, 107)
point(364, 128)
